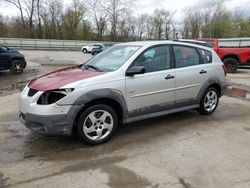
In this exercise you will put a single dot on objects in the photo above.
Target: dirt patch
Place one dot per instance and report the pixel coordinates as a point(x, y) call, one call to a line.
point(246, 129)
point(118, 176)
point(3, 181)
point(184, 183)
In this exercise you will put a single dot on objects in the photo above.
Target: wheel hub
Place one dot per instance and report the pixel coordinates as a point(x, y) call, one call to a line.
point(18, 66)
point(98, 125)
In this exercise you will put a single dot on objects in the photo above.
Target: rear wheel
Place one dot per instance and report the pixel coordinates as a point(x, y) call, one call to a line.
point(97, 124)
point(231, 65)
point(16, 67)
point(209, 101)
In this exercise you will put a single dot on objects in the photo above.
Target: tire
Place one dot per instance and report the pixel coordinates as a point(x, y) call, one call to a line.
point(231, 65)
point(16, 67)
point(97, 124)
point(84, 51)
point(209, 101)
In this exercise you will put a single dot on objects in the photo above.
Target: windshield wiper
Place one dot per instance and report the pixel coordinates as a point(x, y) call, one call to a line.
point(92, 67)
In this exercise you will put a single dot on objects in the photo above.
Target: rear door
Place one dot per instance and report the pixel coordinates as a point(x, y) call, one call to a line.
point(189, 75)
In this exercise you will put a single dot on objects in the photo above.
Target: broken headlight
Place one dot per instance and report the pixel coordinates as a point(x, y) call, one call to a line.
point(52, 96)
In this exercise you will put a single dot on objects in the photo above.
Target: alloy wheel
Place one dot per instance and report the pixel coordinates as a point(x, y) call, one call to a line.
point(210, 101)
point(98, 125)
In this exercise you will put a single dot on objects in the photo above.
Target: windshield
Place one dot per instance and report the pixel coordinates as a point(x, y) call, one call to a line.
point(112, 58)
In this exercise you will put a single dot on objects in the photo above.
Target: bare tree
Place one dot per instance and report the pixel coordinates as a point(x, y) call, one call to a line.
point(27, 10)
point(162, 23)
point(141, 25)
point(117, 8)
point(192, 25)
point(39, 19)
point(98, 11)
point(51, 14)
point(72, 18)
point(150, 27)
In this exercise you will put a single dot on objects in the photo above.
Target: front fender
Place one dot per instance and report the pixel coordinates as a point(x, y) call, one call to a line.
point(104, 94)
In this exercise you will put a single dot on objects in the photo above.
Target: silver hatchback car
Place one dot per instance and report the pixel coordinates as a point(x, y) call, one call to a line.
point(126, 83)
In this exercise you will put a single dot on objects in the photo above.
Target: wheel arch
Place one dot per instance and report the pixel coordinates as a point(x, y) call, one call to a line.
point(109, 97)
point(14, 58)
point(234, 56)
point(210, 83)
point(217, 87)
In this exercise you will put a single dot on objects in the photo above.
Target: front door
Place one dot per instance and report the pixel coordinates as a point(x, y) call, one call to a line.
point(154, 90)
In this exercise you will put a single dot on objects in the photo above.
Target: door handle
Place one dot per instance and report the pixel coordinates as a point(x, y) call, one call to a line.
point(203, 72)
point(169, 77)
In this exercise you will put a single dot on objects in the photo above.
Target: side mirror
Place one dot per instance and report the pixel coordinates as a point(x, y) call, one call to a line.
point(135, 70)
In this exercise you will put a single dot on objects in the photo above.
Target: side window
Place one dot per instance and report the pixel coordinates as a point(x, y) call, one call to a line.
point(206, 55)
point(185, 56)
point(155, 59)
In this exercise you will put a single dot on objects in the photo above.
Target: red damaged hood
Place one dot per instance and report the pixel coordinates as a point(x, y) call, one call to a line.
point(59, 78)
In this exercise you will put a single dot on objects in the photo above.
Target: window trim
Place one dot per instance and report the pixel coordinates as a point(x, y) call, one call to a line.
point(149, 48)
point(186, 46)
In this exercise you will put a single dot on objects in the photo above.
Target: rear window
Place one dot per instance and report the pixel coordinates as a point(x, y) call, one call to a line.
point(206, 55)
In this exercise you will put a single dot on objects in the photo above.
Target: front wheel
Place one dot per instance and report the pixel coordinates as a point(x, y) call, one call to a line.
point(209, 101)
point(97, 124)
point(16, 67)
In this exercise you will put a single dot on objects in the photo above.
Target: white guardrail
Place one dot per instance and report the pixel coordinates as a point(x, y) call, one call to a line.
point(46, 44)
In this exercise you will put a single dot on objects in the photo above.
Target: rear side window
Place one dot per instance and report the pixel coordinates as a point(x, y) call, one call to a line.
point(206, 55)
point(186, 56)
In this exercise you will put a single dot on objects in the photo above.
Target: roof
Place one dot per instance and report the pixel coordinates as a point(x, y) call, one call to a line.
point(159, 42)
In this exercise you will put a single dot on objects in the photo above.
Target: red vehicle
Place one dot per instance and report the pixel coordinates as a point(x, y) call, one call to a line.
point(232, 56)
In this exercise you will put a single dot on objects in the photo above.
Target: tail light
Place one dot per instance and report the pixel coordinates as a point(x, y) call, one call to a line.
point(225, 69)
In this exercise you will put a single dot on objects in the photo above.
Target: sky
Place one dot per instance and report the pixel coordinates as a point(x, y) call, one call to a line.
point(148, 6)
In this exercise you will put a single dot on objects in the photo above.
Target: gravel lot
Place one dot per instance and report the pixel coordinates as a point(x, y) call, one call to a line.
point(179, 150)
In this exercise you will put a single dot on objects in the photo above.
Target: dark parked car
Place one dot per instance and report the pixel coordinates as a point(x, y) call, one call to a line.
point(11, 60)
point(101, 48)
